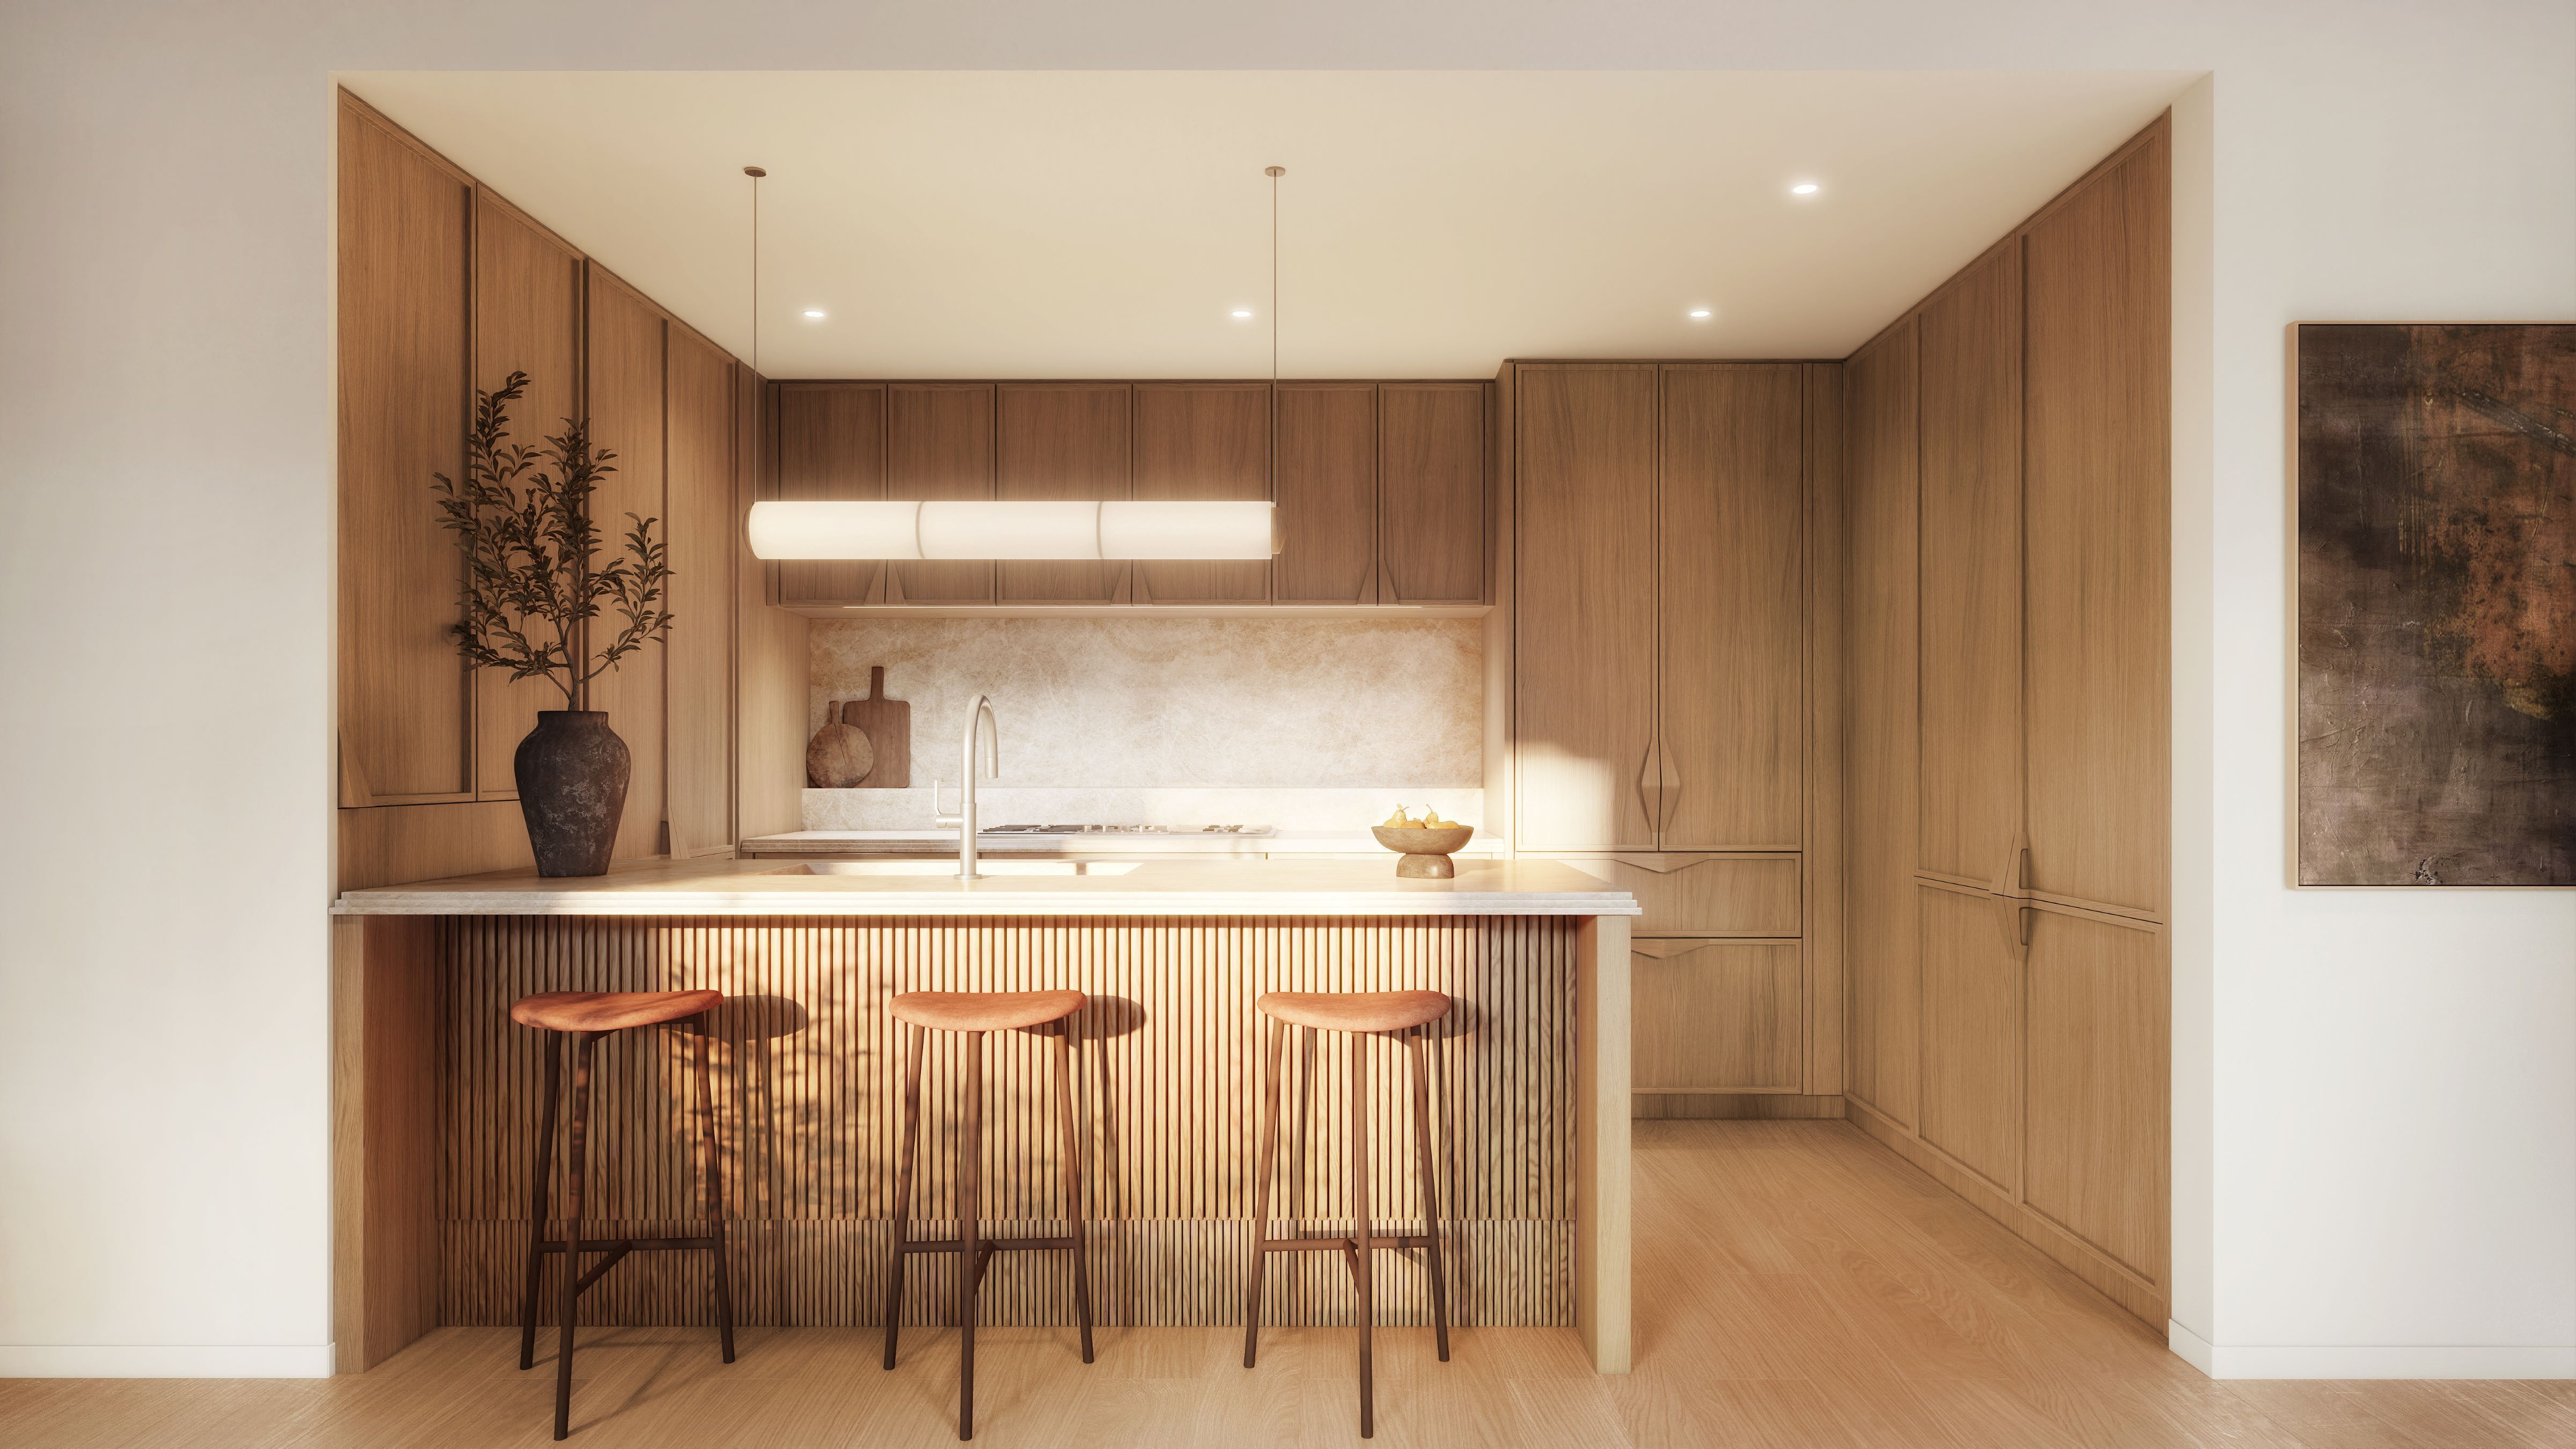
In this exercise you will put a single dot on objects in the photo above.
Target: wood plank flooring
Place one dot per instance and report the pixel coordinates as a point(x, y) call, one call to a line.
point(1798, 1286)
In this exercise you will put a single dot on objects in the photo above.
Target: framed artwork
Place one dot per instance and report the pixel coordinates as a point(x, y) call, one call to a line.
point(2437, 604)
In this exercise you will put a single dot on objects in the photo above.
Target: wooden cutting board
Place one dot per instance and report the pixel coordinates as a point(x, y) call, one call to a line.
point(888, 726)
point(839, 756)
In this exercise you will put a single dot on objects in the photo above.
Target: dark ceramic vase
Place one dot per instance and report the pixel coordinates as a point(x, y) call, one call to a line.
point(572, 771)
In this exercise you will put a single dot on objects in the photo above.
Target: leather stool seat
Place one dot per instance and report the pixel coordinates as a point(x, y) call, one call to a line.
point(983, 1010)
point(1356, 1010)
point(609, 1010)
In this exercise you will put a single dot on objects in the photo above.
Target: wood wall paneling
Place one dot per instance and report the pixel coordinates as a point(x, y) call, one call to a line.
point(1733, 606)
point(2099, 1053)
point(405, 253)
point(699, 713)
point(1329, 503)
point(624, 377)
point(1432, 493)
point(387, 1135)
point(1884, 1039)
point(830, 446)
point(773, 661)
point(1969, 687)
point(527, 318)
point(1502, 750)
point(1827, 990)
point(1063, 441)
point(2098, 440)
point(1718, 1016)
point(1971, 1033)
point(939, 446)
point(1584, 616)
point(1209, 442)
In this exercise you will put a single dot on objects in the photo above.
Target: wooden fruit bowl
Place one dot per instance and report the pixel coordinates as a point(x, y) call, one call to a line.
point(1426, 852)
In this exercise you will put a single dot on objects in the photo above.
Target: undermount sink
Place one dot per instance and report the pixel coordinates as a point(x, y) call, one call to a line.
point(936, 867)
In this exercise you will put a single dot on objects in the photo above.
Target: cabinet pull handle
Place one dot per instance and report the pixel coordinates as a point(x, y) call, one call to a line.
point(2012, 879)
point(2015, 920)
point(1649, 792)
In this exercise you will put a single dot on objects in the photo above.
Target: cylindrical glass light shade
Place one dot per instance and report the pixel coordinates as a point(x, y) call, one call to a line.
point(834, 530)
point(1021, 529)
point(1025, 529)
point(1186, 530)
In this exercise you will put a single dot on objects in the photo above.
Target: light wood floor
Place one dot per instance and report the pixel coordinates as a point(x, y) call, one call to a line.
point(1798, 1286)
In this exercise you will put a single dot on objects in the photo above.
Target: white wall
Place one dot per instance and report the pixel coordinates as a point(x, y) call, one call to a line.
point(2376, 1130)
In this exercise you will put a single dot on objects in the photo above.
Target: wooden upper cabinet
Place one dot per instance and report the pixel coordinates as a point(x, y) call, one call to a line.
point(1202, 442)
point(939, 446)
point(1328, 494)
point(1971, 748)
point(831, 446)
point(700, 655)
point(2097, 441)
point(527, 318)
point(1584, 609)
point(1431, 490)
point(623, 376)
point(1071, 441)
point(406, 696)
point(1733, 607)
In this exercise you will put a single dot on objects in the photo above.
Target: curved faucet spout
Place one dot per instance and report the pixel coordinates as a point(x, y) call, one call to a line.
point(978, 715)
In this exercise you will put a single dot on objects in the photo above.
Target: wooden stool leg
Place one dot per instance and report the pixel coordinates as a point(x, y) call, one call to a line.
point(1261, 1192)
point(573, 1145)
point(1073, 1182)
point(970, 1253)
point(1430, 1191)
point(714, 1180)
point(903, 1184)
point(543, 1179)
point(1363, 1239)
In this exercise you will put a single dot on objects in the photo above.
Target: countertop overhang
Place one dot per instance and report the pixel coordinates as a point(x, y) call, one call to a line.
point(1156, 887)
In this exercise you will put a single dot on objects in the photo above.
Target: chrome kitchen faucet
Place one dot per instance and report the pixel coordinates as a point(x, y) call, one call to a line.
point(977, 714)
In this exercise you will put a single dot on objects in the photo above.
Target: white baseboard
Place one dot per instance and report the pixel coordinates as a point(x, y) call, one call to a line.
point(2371, 1361)
point(165, 1361)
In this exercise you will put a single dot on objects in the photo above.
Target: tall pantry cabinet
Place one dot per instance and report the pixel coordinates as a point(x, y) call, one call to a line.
point(2007, 707)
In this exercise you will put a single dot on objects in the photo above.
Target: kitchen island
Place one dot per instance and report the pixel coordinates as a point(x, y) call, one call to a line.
point(436, 1092)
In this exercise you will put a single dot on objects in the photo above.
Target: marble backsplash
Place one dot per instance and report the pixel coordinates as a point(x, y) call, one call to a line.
point(1160, 720)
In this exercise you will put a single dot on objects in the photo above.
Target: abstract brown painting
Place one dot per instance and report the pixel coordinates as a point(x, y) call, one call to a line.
point(2437, 605)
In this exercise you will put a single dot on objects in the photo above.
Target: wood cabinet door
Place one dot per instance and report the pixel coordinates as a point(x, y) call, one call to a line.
point(1732, 633)
point(1203, 442)
point(939, 446)
point(406, 700)
point(831, 446)
point(1717, 1016)
point(527, 318)
point(2098, 1052)
point(698, 713)
point(1069, 441)
point(1431, 493)
point(1971, 1030)
point(1328, 494)
point(1705, 895)
point(1584, 606)
point(1969, 678)
point(2097, 446)
point(1879, 399)
point(623, 373)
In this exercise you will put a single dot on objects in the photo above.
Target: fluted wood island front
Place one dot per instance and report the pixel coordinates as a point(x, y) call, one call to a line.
point(437, 1092)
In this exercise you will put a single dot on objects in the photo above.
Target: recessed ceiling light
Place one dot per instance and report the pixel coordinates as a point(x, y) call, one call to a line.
point(1701, 314)
point(814, 312)
point(1803, 188)
point(1240, 313)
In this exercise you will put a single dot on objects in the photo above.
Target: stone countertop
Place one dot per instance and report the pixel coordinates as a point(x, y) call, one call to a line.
point(1275, 887)
point(816, 844)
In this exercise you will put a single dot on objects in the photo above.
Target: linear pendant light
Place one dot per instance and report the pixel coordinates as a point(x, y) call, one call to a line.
point(1018, 529)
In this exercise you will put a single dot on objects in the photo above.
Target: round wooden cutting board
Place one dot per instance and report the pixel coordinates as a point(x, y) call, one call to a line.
point(840, 755)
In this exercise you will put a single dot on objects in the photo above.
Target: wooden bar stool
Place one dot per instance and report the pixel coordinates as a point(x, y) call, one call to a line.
point(1363, 1015)
point(586, 1016)
point(975, 1013)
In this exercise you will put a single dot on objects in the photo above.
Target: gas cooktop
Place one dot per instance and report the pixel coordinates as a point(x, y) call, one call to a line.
point(1126, 830)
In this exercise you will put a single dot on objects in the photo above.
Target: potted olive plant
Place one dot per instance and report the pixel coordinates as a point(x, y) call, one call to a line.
point(536, 601)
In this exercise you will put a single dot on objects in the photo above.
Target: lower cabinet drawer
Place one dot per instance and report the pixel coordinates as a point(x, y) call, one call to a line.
point(1718, 1016)
point(1704, 895)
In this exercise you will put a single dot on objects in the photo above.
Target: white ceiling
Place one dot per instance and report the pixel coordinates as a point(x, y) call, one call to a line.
point(1103, 224)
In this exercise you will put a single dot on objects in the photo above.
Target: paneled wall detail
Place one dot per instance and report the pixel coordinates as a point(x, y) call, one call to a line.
point(1168, 1061)
point(2007, 705)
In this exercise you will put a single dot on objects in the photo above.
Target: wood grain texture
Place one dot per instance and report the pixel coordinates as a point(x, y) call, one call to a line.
point(831, 445)
point(623, 376)
point(527, 318)
point(939, 446)
point(1879, 730)
point(1732, 630)
point(2097, 451)
point(1972, 1031)
point(386, 1148)
point(2099, 1054)
point(1736, 1107)
point(1432, 493)
point(1603, 1070)
point(1068, 440)
point(1583, 712)
point(405, 255)
point(1827, 991)
point(808, 1089)
point(395, 844)
point(1328, 494)
point(1704, 895)
point(1969, 676)
point(699, 710)
point(1718, 1016)
point(1502, 491)
point(1209, 442)
point(772, 660)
